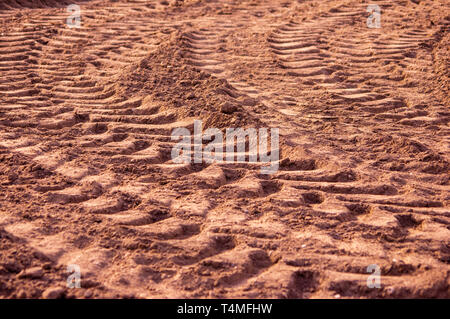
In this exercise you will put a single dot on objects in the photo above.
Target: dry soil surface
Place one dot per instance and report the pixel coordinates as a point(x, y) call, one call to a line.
point(86, 175)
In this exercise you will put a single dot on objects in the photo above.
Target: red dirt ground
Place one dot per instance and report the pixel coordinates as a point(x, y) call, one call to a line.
point(86, 175)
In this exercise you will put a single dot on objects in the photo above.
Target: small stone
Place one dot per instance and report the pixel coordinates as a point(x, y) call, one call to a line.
point(88, 294)
point(248, 101)
point(228, 108)
point(12, 177)
point(337, 296)
point(35, 272)
point(22, 294)
point(47, 266)
point(11, 266)
point(204, 75)
point(185, 83)
point(53, 293)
